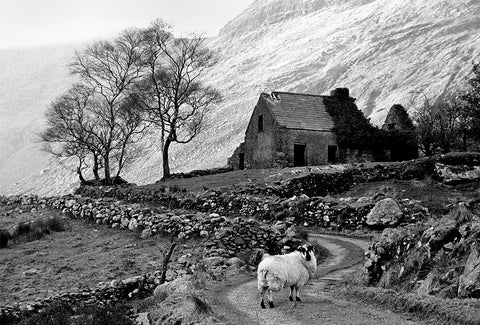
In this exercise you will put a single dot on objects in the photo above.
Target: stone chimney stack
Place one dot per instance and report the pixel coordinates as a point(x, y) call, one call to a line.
point(340, 93)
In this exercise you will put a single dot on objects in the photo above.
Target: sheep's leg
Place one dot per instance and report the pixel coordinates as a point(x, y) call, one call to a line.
point(262, 295)
point(270, 298)
point(297, 294)
point(290, 297)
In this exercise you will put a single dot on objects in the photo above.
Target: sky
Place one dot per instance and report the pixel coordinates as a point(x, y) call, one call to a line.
point(29, 23)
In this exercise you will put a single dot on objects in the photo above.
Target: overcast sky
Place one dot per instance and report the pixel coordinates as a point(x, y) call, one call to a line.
point(25, 23)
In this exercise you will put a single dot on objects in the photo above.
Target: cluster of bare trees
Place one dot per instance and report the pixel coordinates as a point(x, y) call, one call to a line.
point(450, 123)
point(143, 79)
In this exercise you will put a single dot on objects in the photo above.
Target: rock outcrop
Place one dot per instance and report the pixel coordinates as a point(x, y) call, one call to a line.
point(440, 258)
point(469, 282)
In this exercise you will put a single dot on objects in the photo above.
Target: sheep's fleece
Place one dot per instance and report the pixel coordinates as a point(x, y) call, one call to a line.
point(290, 270)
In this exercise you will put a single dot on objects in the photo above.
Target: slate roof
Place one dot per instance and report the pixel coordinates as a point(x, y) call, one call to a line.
point(300, 111)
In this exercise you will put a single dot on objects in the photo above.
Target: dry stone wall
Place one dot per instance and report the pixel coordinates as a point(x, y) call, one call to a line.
point(103, 293)
point(224, 238)
point(153, 221)
point(300, 210)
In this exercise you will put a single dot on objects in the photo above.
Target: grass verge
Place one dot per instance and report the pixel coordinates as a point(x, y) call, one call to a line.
point(442, 311)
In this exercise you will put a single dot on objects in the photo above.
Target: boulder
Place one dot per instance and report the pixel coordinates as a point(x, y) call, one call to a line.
point(142, 319)
point(146, 233)
point(469, 282)
point(235, 261)
point(181, 285)
point(213, 261)
point(386, 213)
point(133, 224)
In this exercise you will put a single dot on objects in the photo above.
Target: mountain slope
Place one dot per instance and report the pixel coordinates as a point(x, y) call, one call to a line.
point(30, 79)
point(382, 50)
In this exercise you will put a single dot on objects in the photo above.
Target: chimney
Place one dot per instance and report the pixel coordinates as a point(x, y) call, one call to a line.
point(340, 93)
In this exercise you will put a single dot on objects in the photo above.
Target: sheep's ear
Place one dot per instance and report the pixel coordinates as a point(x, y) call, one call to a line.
point(301, 249)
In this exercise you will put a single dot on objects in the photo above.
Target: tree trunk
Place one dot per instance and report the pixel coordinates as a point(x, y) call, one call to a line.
point(108, 180)
point(120, 160)
point(80, 176)
point(95, 168)
point(464, 142)
point(166, 166)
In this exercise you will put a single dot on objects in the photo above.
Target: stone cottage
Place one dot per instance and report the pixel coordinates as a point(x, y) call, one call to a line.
point(290, 129)
point(287, 129)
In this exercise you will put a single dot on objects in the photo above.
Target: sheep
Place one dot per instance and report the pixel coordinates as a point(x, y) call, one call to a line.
point(276, 272)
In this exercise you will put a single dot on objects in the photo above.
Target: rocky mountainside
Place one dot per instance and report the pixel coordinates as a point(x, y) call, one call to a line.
point(382, 50)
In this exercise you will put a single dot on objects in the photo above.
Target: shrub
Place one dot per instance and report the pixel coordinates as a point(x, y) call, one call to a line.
point(23, 228)
point(29, 231)
point(4, 237)
point(55, 224)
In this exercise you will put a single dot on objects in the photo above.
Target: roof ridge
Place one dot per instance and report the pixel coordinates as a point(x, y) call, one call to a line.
point(303, 94)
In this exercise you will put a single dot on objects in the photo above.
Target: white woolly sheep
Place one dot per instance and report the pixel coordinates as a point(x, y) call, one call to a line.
point(276, 272)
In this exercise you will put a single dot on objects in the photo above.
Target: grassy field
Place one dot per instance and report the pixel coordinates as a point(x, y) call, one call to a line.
point(242, 178)
point(80, 257)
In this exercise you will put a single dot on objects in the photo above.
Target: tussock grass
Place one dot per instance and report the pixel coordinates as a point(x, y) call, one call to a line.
point(29, 231)
point(441, 311)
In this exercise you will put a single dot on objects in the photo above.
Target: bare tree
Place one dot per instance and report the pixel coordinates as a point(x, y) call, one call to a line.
point(110, 70)
point(67, 133)
point(441, 125)
point(424, 118)
point(131, 128)
point(173, 94)
point(447, 113)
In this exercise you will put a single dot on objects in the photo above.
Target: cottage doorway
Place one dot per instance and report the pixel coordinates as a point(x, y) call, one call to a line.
point(332, 154)
point(299, 157)
point(241, 161)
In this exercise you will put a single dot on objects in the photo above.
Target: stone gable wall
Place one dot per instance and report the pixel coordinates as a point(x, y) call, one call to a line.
point(259, 147)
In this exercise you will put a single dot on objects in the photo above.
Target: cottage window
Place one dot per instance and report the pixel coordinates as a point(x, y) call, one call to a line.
point(260, 123)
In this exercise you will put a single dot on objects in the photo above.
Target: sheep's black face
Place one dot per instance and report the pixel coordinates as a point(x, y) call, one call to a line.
point(306, 251)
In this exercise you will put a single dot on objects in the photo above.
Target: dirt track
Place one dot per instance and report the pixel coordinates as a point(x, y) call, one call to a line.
point(241, 303)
